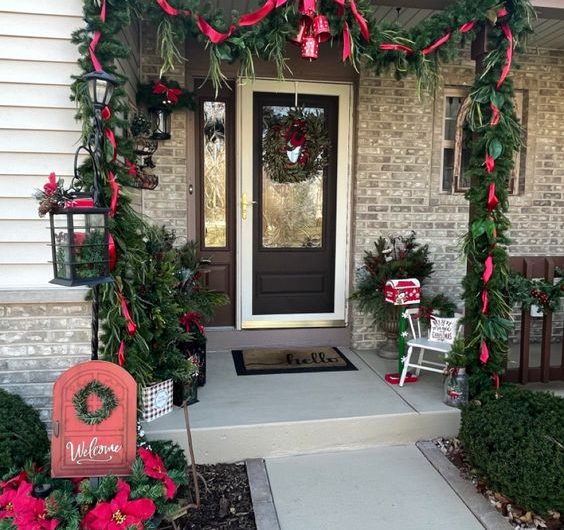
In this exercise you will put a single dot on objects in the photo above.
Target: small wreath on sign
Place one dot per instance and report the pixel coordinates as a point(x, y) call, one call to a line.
point(106, 395)
point(295, 146)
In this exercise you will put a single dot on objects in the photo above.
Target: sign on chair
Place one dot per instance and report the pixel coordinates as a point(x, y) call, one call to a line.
point(94, 421)
point(443, 329)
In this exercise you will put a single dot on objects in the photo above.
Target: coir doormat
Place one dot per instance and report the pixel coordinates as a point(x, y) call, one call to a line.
point(256, 361)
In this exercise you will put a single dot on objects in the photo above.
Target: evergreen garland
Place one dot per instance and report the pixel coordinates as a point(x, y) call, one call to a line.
point(106, 396)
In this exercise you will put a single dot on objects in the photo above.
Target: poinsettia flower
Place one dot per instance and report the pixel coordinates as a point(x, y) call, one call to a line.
point(155, 468)
point(51, 187)
point(120, 513)
point(14, 482)
point(31, 514)
point(10, 496)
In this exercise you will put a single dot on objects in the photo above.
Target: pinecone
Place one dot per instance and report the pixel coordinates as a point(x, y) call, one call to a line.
point(45, 206)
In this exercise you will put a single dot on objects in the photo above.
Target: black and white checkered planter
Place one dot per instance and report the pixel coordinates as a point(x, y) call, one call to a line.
point(157, 400)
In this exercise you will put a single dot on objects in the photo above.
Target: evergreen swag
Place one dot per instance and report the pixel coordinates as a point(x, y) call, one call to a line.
point(486, 238)
point(106, 396)
point(295, 145)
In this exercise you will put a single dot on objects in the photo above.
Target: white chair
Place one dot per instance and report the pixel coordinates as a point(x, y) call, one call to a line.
point(443, 333)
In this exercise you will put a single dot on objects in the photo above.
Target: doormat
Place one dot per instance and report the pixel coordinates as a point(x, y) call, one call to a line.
point(256, 361)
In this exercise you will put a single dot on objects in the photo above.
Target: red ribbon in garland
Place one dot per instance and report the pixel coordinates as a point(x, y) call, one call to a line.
point(115, 193)
point(95, 40)
point(106, 113)
point(484, 352)
point(396, 48)
point(250, 19)
point(361, 21)
point(109, 134)
point(508, 54)
point(346, 42)
point(493, 201)
point(467, 27)
point(495, 377)
point(485, 301)
point(112, 254)
point(171, 94)
point(495, 115)
point(121, 353)
point(488, 269)
point(212, 34)
point(436, 44)
point(131, 326)
point(490, 163)
point(169, 10)
point(192, 318)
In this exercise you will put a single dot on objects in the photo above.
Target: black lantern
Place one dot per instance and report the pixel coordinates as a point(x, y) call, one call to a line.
point(100, 88)
point(80, 245)
point(161, 123)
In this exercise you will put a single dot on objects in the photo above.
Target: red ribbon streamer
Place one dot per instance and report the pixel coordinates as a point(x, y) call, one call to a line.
point(508, 54)
point(121, 353)
point(112, 252)
point(495, 115)
point(250, 19)
point(131, 326)
point(171, 94)
point(361, 21)
point(495, 378)
point(467, 27)
point(493, 201)
point(488, 269)
point(502, 12)
point(396, 48)
point(106, 113)
point(169, 10)
point(490, 163)
point(115, 193)
point(484, 352)
point(109, 134)
point(346, 42)
point(485, 301)
point(95, 40)
point(436, 44)
point(212, 34)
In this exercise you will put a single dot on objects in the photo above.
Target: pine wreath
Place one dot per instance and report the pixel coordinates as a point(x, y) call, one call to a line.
point(106, 395)
point(295, 146)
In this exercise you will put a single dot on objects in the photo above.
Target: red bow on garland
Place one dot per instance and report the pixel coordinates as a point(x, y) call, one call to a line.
point(192, 319)
point(172, 95)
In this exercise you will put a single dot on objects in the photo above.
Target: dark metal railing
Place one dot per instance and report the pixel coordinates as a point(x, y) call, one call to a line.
point(537, 267)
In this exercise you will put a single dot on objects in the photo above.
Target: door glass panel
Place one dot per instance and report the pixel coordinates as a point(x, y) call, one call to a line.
point(292, 213)
point(215, 175)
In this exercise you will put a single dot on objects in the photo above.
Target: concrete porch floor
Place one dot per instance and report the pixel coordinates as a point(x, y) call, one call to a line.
point(258, 416)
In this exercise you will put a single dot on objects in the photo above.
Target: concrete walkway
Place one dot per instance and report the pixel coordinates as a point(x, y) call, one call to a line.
point(382, 488)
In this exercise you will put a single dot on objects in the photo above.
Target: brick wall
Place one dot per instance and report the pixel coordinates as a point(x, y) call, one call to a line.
point(38, 341)
point(398, 165)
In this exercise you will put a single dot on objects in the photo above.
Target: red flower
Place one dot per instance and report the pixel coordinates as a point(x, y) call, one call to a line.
point(14, 482)
point(10, 497)
point(120, 513)
point(155, 468)
point(51, 187)
point(31, 514)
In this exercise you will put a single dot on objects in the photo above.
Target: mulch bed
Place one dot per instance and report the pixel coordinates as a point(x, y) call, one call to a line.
point(517, 516)
point(225, 500)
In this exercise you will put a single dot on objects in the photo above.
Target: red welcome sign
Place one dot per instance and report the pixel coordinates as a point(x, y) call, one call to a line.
point(94, 421)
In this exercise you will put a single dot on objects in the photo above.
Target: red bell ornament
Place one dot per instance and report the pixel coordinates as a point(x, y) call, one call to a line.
point(310, 48)
point(321, 28)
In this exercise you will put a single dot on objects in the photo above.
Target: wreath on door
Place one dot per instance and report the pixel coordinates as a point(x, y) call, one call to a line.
point(295, 146)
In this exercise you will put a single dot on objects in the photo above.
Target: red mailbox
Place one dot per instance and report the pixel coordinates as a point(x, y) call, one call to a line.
point(94, 421)
point(403, 292)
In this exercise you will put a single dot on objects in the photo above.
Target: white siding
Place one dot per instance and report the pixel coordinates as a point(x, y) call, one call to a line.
point(38, 132)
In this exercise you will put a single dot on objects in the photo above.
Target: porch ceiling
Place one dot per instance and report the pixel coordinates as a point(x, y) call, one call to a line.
point(549, 28)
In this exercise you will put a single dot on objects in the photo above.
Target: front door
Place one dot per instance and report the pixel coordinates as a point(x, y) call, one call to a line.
point(293, 267)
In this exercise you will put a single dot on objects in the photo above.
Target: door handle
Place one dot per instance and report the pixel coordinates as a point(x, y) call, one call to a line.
point(245, 206)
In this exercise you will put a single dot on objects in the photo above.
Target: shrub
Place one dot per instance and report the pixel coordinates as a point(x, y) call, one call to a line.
point(23, 436)
point(516, 444)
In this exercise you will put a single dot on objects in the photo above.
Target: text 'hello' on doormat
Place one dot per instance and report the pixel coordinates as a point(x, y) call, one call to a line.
point(257, 361)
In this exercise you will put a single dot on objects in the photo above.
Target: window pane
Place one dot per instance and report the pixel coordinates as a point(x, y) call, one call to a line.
point(452, 106)
point(215, 175)
point(464, 179)
point(292, 213)
point(448, 167)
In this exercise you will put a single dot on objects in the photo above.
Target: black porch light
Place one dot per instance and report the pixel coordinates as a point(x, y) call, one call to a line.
point(80, 244)
point(100, 88)
point(160, 123)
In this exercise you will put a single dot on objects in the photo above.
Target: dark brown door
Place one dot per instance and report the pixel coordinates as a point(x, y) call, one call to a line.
point(294, 223)
point(216, 183)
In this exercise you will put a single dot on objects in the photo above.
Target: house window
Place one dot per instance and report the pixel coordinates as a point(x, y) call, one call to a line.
point(456, 148)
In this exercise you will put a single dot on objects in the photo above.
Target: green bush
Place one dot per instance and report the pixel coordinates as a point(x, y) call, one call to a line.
point(23, 436)
point(516, 444)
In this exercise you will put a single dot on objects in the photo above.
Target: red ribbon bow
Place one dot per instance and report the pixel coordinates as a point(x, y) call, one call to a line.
point(192, 318)
point(171, 94)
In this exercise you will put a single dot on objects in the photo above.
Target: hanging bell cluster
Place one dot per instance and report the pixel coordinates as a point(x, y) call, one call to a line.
point(313, 29)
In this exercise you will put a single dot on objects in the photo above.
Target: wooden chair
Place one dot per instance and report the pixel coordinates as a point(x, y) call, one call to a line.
point(444, 331)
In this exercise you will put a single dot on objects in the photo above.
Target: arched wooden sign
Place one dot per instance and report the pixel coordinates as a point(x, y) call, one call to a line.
point(94, 421)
